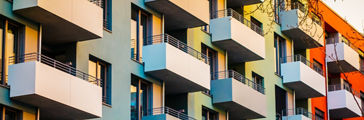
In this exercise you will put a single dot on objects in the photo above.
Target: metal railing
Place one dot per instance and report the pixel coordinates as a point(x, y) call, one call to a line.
point(134, 55)
point(338, 87)
point(165, 38)
point(240, 78)
point(239, 17)
point(302, 59)
point(299, 6)
point(169, 111)
point(55, 64)
point(342, 39)
point(97, 2)
point(297, 111)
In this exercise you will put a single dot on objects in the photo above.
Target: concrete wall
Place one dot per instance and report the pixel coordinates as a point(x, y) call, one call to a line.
point(56, 85)
point(299, 72)
point(167, 57)
point(66, 9)
point(343, 99)
point(343, 53)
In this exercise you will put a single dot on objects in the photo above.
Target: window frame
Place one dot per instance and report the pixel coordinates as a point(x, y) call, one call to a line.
point(105, 82)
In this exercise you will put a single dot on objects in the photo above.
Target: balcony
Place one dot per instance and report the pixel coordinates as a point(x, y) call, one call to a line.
point(343, 54)
point(166, 113)
point(306, 32)
point(63, 21)
point(297, 114)
point(303, 76)
point(243, 40)
point(60, 91)
point(341, 102)
point(181, 14)
point(243, 98)
point(182, 68)
point(239, 3)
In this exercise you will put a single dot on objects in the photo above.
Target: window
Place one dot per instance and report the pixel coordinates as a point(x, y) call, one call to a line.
point(101, 70)
point(12, 45)
point(259, 80)
point(319, 115)
point(213, 8)
point(277, 9)
point(255, 22)
point(140, 94)
point(347, 86)
point(212, 55)
point(317, 66)
point(10, 114)
point(280, 52)
point(362, 99)
point(208, 114)
point(361, 64)
point(106, 5)
point(139, 32)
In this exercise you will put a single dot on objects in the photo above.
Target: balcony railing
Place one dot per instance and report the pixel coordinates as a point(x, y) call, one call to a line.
point(240, 78)
point(302, 59)
point(165, 38)
point(297, 111)
point(169, 111)
point(342, 39)
point(55, 64)
point(338, 87)
point(97, 2)
point(299, 6)
point(239, 17)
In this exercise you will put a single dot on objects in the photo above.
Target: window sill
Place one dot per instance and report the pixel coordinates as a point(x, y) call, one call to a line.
point(107, 30)
point(107, 105)
point(278, 75)
point(140, 62)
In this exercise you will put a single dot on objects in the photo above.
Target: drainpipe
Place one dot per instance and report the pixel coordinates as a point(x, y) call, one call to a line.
point(163, 84)
point(326, 82)
point(40, 39)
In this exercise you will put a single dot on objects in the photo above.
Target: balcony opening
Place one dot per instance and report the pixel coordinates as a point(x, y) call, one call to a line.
point(281, 101)
point(259, 80)
point(141, 27)
point(208, 114)
point(141, 98)
point(102, 71)
point(319, 114)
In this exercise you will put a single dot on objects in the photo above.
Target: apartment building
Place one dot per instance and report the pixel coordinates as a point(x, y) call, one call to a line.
point(178, 60)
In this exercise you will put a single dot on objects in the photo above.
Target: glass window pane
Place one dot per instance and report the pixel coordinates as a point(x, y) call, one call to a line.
point(10, 115)
point(92, 68)
point(11, 43)
point(133, 102)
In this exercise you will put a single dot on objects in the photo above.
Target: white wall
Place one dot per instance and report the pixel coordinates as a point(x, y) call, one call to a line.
point(343, 52)
point(343, 99)
point(165, 56)
point(58, 86)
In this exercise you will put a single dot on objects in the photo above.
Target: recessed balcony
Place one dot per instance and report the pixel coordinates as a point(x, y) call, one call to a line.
point(343, 54)
point(306, 32)
point(239, 3)
point(303, 76)
point(60, 91)
point(341, 102)
point(166, 113)
point(243, 98)
point(243, 40)
point(182, 68)
point(63, 21)
point(181, 14)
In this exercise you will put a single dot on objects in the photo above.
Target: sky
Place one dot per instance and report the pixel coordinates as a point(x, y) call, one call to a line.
point(351, 10)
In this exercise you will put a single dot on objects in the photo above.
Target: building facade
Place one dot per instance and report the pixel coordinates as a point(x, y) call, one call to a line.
point(178, 60)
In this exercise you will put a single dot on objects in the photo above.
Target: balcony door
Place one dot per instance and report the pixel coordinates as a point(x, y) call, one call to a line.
point(11, 45)
point(140, 25)
point(140, 95)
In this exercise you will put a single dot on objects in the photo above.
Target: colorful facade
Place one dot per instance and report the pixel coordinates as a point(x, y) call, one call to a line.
point(178, 60)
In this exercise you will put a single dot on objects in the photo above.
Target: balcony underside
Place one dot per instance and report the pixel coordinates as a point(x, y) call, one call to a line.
point(237, 52)
point(52, 110)
point(175, 16)
point(239, 3)
point(56, 29)
point(175, 83)
point(342, 113)
point(333, 67)
point(237, 111)
point(301, 39)
point(303, 90)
